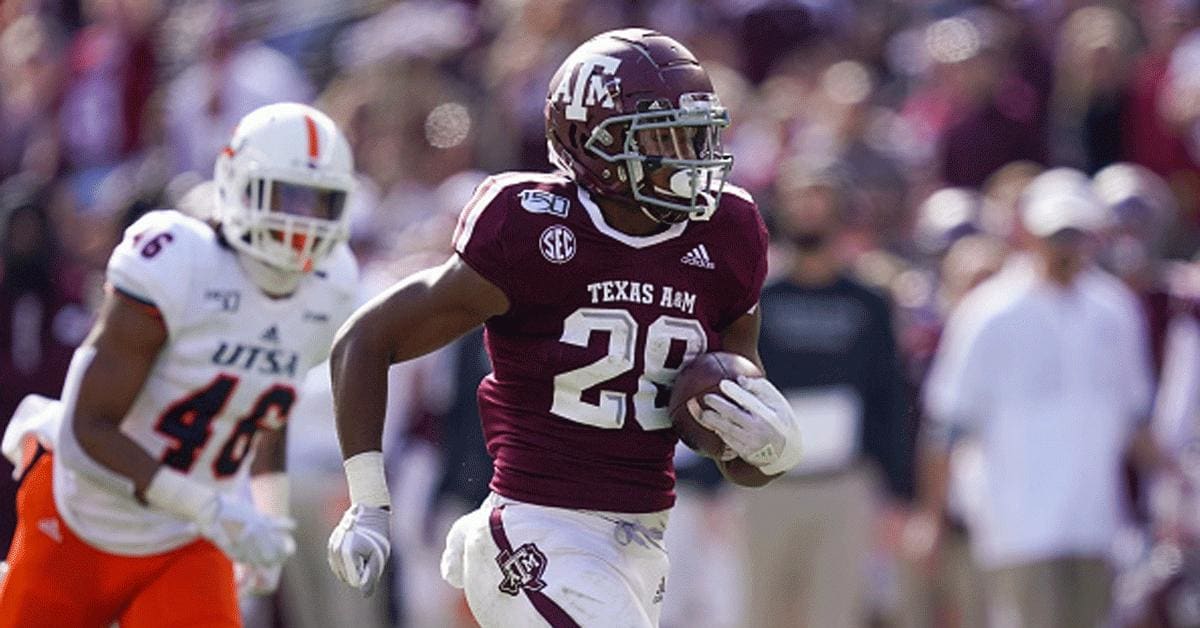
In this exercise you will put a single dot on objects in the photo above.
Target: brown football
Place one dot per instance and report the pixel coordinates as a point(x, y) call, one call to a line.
point(697, 379)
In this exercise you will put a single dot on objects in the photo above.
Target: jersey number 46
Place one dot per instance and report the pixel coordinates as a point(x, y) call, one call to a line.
point(189, 423)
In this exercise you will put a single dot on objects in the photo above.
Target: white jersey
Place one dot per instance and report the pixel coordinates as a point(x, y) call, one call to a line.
point(233, 361)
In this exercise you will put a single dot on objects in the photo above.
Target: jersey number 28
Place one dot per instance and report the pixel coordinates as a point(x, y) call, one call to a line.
point(661, 336)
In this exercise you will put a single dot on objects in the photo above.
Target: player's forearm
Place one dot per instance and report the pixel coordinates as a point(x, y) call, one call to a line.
point(109, 447)
point(358, 369)
point(270, 453)
point(741, 337)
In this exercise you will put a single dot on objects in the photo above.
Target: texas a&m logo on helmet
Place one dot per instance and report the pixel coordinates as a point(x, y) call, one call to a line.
point(593, 78)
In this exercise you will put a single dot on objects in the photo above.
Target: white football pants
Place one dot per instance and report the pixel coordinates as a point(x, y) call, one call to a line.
point(526, 565)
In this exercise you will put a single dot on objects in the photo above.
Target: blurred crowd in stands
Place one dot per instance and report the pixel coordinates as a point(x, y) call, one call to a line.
point(918, 123)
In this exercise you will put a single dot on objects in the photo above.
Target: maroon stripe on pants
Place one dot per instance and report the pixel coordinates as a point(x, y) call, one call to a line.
point(546, 607)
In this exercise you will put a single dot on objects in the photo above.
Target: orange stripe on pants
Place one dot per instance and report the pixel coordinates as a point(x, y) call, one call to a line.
point(57, 579)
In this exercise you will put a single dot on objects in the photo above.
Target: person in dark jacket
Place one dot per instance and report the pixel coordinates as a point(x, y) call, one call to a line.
point(827, 340)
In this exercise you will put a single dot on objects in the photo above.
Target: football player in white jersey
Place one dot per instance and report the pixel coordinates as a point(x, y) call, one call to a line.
point(133, 511)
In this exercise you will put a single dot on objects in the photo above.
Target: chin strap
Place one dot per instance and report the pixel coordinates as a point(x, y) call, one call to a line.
point(667, 212)
point(651, 216)
point(274, 281)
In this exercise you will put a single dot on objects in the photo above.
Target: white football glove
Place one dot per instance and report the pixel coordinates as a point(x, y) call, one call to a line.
point(256, 579)
point(759, 424)
point(359, 547)
point(234, 525)
point(245, 534)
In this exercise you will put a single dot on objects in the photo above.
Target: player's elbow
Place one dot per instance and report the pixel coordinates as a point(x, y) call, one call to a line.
point(343, 344)
point(92, 433)
point(357, 340)
point(89, 433)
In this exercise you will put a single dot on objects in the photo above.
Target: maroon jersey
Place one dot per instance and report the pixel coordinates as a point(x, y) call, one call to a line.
point(574, 412)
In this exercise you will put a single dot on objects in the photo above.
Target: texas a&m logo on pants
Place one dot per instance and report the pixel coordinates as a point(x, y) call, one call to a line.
point(522, 569)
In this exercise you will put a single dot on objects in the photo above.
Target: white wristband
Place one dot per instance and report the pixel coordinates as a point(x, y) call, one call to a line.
point(178, 494)
point(271, 493)
point(368, 484)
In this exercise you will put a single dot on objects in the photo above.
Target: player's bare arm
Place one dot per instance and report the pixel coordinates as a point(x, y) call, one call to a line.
point(127, 339)
point(741, 337)
point(422, 313)
point(268, 473)
point(270, 452)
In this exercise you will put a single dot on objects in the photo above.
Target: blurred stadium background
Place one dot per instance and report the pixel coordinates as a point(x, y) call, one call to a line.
point(926, 116)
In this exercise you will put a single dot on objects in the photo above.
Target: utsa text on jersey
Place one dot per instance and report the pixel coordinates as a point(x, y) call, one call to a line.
point(247, 357)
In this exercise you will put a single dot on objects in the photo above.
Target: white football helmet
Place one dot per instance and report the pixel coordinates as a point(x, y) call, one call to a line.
point(282, 188)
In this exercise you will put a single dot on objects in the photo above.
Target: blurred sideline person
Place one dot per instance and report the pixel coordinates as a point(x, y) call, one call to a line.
point(42, 315)
point(1046, 364)
point(1141, 211)
point(945, 587)
point(595, 284)
point(827, 341)
point(1168, 595)
point(133, 509)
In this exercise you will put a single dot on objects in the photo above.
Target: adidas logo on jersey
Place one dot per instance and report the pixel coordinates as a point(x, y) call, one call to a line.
point(271, 335)
point(698, 256)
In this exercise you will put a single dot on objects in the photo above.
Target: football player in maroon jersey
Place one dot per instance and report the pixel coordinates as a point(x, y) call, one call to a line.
point(596, 284)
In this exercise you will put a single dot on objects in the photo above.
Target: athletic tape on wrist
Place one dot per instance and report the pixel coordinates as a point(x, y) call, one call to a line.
point(364, 475)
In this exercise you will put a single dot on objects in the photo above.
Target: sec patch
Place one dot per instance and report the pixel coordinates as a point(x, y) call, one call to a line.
point(557, 244)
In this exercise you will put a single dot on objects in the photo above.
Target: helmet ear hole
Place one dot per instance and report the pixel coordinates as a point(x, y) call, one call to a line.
point(571, 136)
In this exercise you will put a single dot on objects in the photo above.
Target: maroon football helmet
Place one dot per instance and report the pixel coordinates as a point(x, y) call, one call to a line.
point(632, 115)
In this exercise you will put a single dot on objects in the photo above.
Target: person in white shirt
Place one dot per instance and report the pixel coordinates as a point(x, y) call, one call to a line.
point(1047, 365)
